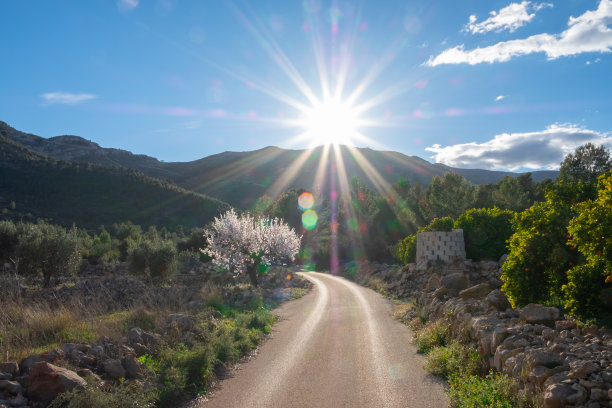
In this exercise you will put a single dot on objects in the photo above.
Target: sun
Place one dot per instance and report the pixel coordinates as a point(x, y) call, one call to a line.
point(331, 121)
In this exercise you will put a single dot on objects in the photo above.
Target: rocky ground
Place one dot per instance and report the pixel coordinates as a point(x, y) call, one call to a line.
point(555, 360)
point(38, 378)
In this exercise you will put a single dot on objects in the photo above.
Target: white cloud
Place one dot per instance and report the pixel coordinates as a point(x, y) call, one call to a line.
point(533, 150)
point(499, 98)
point(588, 32)
point(67, 98)
point(509, 18)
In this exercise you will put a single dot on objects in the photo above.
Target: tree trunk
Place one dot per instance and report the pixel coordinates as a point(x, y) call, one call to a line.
point(252, 271)
point(47, 279)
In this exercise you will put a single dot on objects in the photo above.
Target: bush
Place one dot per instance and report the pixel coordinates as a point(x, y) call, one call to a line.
point(539, 254)
point(453, 359)
point(157, 258)
point(117, 396)
point(485, 232)
point(584, 289)
point(48, 249)
point(436, 334)
point(101, 249)
point(492, 391)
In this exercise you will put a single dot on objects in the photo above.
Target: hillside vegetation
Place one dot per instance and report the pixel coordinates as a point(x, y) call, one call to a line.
point(36, 186)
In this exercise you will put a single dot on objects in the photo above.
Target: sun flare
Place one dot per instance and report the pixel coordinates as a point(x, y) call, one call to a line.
point(330, 121)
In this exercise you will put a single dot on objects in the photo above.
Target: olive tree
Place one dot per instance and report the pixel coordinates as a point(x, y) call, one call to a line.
point(242, 244)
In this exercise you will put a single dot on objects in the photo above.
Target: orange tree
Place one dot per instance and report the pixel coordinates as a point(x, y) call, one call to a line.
point(589, 287)
point(539, 251)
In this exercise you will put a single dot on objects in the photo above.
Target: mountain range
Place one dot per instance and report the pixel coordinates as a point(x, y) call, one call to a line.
point(235, 178)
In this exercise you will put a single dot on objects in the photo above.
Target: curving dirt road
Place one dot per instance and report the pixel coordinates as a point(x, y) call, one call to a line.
point(338, 346)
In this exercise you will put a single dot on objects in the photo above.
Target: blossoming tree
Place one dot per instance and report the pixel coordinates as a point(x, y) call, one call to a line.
point(243, 243)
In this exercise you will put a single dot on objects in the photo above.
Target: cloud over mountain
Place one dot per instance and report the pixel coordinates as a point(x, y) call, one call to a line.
point(532, 150)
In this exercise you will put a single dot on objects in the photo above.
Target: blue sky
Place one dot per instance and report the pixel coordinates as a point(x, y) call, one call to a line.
point(487, 84)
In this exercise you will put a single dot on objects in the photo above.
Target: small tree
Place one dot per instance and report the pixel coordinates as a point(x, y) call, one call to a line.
point(243, 244)
point(48, 249)
point(485, 232)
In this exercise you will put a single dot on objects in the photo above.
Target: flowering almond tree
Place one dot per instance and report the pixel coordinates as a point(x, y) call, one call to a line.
point(242, 243)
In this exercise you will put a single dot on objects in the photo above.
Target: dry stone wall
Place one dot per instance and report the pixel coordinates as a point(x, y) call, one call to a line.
point(440, 246)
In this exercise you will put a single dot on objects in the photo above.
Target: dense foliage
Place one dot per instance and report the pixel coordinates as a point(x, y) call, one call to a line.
point(485, 232)
point(246, 244)
point(89, 195)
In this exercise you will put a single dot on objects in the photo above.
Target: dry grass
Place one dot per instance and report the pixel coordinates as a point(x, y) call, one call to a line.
point(30, 325)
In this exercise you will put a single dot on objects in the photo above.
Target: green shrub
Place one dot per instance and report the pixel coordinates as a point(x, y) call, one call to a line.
point(583, 290)
point(156, 257)
point(539, 254)
point(485, 232)
point(117, 396)
point(432, 335)
point(492, 391)
point(455, 359)
point(102, 250)
point(47, 249)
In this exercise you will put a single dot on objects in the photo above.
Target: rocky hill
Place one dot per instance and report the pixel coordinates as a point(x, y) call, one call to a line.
point(33, 186)
point(239, 178)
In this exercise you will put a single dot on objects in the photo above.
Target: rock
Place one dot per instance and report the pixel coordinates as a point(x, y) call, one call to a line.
point(12, 387)
point(578, 396)
point(86, 372)
point(581, 369)
point(150, 339)
point(182, 322)
point(556, 395)
point(598, 394)
point(47, 381)
point(5, 376)
point(498, 300)
point(140, 349)
point(28, 363)
point(539, 375)
point(135, 335)
point(114, 369)
point(18, 401)
point(454, 282)
point(497, 337)
point(544, 358)
point(502, 259)
point(475, 292)
point(132, 366)
point(537, 314)
point(495, 283)
point(561, 325)
point(11, 368)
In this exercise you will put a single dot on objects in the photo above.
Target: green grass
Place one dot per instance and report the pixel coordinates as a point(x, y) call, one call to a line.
point(432, 335)
point(493, 391)
point(452, 360)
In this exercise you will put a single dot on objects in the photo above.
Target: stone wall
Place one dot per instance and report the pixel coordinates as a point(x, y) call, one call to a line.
point(440, 246)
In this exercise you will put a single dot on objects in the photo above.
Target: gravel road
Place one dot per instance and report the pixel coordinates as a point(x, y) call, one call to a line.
point(338, 346)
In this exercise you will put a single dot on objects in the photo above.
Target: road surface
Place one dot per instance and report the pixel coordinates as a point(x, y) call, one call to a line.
point(338, 346)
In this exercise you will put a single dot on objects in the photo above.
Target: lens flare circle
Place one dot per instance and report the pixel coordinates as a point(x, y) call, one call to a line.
point(305, 201)
point(330, 121)
point(310, 219)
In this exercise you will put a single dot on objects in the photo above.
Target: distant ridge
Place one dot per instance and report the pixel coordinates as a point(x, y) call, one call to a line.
point(91, 195)
point(239, 178)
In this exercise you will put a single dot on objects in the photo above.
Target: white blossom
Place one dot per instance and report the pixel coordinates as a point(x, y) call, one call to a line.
point(236, 242)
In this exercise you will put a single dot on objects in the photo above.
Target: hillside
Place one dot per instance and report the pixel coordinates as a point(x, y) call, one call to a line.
point(239, 178)
point(90, 195)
